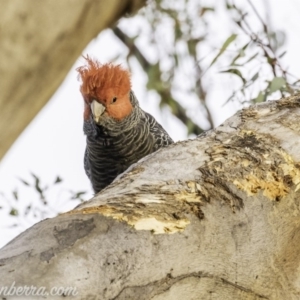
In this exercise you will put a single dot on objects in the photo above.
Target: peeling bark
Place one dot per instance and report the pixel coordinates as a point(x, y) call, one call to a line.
point(40, 40)
point(216, 217)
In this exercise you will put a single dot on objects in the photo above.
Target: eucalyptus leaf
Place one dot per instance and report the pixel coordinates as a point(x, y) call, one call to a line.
point(235, 72)
point(228, 41)
point(14, 212)
point(276, 84)
point(260, 98)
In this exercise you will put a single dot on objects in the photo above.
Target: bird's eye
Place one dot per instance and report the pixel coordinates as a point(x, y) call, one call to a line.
point(114, 100)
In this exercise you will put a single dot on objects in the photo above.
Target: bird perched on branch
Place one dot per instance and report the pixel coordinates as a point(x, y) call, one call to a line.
point(118, 132)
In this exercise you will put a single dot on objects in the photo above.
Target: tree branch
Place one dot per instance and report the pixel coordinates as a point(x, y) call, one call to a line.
point(215, 215)
point(39, 44)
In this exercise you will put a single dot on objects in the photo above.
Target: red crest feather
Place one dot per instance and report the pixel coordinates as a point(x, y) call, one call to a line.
point(97, 78)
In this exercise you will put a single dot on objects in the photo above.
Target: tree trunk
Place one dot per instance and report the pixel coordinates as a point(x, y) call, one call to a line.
point(216, 217)
point(40, 40)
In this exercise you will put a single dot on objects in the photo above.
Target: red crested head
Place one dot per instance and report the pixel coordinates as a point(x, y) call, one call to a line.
point(107, 84)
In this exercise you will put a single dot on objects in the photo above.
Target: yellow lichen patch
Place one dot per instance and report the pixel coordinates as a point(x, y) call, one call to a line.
point(272, 171)
point(149, 199)
point(104, 210)
point(290, 169)
point(247, 132)
point(253, 162)
point(271, 188)
point(140, 220)
point(159, 227)
point(187, 197)
point(190, 194)
point(245, 162)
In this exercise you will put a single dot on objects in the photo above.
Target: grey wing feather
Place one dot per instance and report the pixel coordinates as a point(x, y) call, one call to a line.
point(162, 139)
point(87, 166)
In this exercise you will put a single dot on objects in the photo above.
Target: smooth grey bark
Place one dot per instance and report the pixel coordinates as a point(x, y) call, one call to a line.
point(216, 217)
point(39, 42)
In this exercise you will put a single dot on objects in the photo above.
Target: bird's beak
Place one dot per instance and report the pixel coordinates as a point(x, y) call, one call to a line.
point(97, 110)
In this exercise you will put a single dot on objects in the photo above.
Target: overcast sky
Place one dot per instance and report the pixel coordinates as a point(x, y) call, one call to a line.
point(53, 144)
